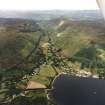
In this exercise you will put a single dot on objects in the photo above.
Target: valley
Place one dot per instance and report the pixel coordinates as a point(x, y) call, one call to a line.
point(39, 46)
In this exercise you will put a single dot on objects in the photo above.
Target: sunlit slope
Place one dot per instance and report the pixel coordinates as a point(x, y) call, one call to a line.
point(71, 36)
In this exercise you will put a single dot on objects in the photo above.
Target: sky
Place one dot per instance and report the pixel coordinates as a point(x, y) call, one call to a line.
point(48, 5)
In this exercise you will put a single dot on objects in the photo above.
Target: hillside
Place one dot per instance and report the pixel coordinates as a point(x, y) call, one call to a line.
point(17, 38)
point(71, 36)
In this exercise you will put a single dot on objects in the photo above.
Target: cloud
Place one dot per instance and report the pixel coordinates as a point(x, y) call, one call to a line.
point(47, 4)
